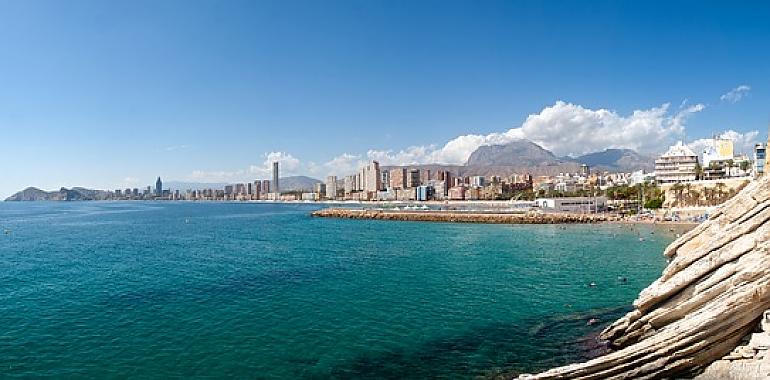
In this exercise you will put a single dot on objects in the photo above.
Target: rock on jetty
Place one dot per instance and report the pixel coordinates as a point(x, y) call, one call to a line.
point(464, 217)
point(709, 298)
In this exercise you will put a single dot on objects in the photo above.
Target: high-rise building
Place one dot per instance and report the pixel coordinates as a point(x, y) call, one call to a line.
point(331, 187)
point(385, 179)
point(257, 189)
point(276, 187)
point(371, 177)
point(424, 176)
point(717, 149)
point(678, 164)
point(477, 181)
point(413, 178)
point(265, 186)
point(320, 190)
point(350, 184)
point(398, 178)
point(159, 187)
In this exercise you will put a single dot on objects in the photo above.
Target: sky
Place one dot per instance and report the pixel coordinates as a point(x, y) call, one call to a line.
point(112, 94)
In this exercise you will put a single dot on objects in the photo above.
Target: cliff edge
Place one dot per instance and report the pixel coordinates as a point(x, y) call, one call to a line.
point(709, 299)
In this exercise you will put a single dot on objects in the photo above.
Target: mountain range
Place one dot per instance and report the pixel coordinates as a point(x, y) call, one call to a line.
point(524, 156)
point(525, 153)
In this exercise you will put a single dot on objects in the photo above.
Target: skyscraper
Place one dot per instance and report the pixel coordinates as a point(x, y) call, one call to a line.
point(413, 178)
point(398, 178)
point(159, 187)
point(371, 177)
point(385, 181)
point(331, 187)
point(276, 188)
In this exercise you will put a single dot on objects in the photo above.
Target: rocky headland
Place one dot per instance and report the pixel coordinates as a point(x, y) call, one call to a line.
point(705, 317)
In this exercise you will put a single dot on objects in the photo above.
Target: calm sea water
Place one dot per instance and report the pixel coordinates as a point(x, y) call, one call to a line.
point(157, 290)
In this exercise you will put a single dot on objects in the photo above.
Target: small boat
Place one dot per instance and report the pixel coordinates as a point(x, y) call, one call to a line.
point(592, 321)
point(592, 284)
point(641, 239)
point(7, 231)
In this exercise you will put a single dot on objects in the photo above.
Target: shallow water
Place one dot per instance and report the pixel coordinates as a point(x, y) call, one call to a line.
point(160, 289)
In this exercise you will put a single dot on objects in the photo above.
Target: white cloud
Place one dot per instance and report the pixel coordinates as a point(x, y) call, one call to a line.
point(341, 165)
point(175, 147)
point(736, 94)
point(742, 142)
point(288, 164)
point(565, 129)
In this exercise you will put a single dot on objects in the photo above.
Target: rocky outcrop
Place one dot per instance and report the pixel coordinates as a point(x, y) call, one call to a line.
point(710, 297)
point(750, 360)
point(464, 217)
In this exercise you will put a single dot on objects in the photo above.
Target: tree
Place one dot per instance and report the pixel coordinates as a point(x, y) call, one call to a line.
point(654, 203)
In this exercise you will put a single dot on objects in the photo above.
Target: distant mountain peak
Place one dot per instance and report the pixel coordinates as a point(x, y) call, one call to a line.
point(527, 155)
point(622, 159)
point(519, 152)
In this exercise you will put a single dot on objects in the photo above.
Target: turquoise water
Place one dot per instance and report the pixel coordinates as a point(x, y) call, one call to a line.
point(157, 290)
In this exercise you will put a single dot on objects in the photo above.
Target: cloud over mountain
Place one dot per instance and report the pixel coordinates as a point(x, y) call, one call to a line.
point(289, 164)
point(565, 129)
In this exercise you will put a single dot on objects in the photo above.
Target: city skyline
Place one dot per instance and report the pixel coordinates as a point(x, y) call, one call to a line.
point(113, 95)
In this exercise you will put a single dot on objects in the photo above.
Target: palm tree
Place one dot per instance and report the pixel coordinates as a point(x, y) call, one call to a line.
point(695, 197)
point(720, 188)
point(688, 197)
point(677, 189)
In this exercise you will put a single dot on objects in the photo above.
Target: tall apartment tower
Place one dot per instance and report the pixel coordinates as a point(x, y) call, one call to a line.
point(398, 178)
point(372, 178)
point(159, 187)
point(276, 187)
point(331, 187)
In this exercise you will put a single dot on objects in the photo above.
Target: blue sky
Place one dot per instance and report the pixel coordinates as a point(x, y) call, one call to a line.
point(113, 94)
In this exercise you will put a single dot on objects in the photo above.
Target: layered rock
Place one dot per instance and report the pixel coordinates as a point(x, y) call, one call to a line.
point(710, 296)
point(750, 360)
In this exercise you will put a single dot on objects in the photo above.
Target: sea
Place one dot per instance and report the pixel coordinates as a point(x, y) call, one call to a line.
point(155, 290)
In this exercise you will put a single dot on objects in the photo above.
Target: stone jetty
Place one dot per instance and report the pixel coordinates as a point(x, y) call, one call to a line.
point(705, 316)
point(465, 217)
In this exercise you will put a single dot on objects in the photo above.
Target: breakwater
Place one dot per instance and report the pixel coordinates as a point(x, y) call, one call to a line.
point(466, 217)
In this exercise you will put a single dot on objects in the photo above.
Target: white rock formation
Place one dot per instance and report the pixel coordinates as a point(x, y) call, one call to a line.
point(711, 295)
